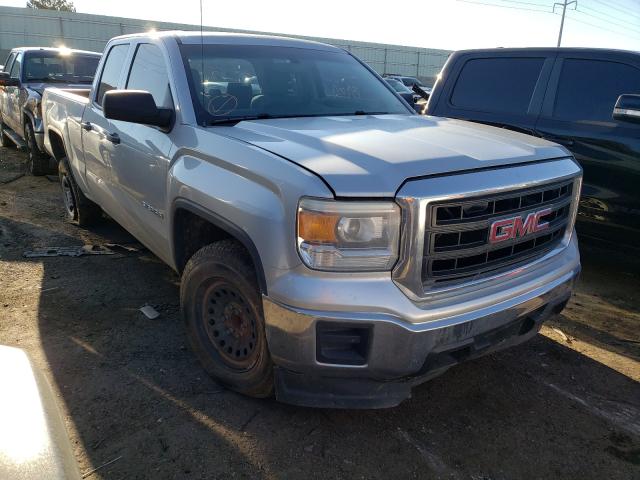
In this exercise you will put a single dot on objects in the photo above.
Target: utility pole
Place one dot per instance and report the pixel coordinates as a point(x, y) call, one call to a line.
point(564, 6)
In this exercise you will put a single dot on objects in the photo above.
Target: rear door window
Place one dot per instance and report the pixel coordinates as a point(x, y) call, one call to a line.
point(15, 69)
point(7, 65)
point(588, 89)
point(502, 85)
point(111, 70)
point(149, 73)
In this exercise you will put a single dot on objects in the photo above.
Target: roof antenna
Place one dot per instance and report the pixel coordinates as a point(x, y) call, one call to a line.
point(201, 58)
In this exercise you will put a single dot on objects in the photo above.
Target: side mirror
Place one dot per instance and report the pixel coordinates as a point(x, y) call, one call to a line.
point(1, 68)
point(627, 108)
point(7, 81)
point(135, 106)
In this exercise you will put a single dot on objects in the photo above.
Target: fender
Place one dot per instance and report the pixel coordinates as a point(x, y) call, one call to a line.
point(28, 112)
point(27, 116)
point(36, 123)
point(47, 142)
point(222, 223)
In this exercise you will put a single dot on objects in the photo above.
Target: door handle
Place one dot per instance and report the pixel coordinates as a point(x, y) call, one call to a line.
point(113, 137)
point(86, 126)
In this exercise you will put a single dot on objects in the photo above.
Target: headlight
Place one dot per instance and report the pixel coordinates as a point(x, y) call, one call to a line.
point(348, 236)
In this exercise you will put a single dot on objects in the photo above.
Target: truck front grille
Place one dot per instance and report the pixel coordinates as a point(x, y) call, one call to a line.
point(457, 246)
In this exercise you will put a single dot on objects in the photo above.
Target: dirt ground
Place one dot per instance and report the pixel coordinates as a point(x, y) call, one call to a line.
point(564, 405)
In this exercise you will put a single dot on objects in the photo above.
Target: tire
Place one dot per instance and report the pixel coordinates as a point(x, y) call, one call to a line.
point(4, 140)
point(222, 309)
point(38, 161)
point(78, 208)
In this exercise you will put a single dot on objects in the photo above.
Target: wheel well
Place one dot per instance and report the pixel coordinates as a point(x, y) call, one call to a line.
point(191, 232)
point(194, 229)
point(57, 145)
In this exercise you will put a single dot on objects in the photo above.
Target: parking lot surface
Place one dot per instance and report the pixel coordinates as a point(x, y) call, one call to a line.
point(565, 405)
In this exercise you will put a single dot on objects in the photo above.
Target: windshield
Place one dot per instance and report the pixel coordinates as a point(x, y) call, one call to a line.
point(49, 66)
point(398, 86)
point(247, 81)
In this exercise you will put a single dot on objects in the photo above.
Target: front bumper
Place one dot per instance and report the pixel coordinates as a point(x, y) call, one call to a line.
point(405, 350)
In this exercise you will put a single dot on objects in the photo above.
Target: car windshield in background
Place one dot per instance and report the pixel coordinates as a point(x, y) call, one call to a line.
point(235, 82)
point(47, 66)
point(410, 81)
point(398, 86)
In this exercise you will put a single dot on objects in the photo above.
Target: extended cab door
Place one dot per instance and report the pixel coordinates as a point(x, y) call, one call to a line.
point(98, 140)
point(11, 116)
point(140, 165)
point(3, 90)
point(503, 89)
point(577, 112)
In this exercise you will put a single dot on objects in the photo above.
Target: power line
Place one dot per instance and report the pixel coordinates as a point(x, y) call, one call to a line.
point(623, 10)
point(526, 6)
point(618, 24)
point(504, 6)
point(602, 28)
point(600, 12)
point(524, 3)
point(619, 4)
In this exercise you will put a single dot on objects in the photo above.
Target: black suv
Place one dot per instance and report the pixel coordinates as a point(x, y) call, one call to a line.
point(585, 99)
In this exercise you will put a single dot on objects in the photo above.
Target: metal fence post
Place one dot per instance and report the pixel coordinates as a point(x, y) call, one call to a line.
point(384, 67)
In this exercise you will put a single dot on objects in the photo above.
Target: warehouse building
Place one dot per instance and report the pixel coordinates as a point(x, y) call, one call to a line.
point(28, 27)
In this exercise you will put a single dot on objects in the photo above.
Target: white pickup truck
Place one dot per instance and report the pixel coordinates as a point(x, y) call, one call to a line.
point(335, 248)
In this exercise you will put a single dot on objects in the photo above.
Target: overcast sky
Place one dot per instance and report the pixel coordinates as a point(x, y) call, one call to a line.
point(448, 24)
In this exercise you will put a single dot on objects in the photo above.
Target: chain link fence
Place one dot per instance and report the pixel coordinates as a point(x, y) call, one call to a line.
point(27, 27)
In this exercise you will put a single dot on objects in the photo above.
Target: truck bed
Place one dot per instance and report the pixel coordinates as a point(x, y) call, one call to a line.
point(62, 110)
point(77, 94)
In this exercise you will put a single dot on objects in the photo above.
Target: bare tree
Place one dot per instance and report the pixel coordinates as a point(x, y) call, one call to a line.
point(62, 5)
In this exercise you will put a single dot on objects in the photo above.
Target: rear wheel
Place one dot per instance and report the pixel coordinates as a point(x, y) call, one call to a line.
point(38, 161)
point(222, 309)
point(78, 208)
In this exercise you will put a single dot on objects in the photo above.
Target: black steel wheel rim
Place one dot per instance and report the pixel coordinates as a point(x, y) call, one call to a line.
point(230, 324)
point(67, 195)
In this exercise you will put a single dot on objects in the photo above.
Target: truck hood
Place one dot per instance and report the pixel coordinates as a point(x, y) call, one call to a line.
point(371, 156)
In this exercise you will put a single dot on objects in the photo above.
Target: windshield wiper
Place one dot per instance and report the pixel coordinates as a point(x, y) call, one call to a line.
point(267, 116)
point(230, 120)
point(47, 80)
point(362, 112)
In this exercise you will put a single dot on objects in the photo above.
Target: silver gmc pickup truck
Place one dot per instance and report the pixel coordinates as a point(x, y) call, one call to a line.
point(336, 249)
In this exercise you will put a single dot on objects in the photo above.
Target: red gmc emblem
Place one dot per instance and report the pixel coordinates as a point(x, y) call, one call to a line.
point(514, 227)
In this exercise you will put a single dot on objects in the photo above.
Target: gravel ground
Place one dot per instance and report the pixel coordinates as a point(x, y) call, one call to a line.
point(564, 405)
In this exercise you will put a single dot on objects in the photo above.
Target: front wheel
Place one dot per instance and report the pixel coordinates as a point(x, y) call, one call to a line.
point(38, 161)
point(222, 309)
point(78, 208)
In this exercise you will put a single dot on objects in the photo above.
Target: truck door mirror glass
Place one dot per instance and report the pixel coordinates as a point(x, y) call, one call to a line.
point(135, 106)
point(7, 81)
point(627, 109)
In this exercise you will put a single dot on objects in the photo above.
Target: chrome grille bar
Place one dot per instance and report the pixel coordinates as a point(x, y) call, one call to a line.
point(483, 197)
point(457, 239)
